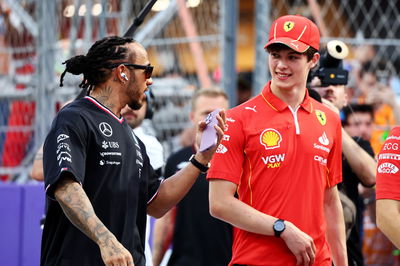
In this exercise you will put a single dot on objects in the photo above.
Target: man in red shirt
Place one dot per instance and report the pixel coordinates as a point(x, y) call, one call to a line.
point(388, 187)
point(274, 175)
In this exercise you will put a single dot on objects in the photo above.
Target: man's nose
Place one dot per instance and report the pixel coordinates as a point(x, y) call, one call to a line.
point(282, 64)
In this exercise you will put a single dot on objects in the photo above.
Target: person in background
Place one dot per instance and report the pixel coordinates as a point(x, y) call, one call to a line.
point(383, 99)
point(274, 176)
point(197, 238)
point(330, 82)
point(154, 149)
point(136, 119)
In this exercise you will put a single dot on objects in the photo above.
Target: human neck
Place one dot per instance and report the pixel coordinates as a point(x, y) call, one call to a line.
point(108, 97)
point(293, 96)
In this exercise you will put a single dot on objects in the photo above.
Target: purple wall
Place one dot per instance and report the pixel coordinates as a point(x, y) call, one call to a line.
point(21, 208)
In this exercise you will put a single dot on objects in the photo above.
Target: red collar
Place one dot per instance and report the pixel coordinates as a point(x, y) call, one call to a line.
point(278, 105)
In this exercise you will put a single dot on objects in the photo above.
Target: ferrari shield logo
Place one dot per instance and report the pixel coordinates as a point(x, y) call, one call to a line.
point(288, 26)
point(321, 117)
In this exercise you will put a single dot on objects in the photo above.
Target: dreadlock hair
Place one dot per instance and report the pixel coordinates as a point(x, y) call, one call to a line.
point(95, 65)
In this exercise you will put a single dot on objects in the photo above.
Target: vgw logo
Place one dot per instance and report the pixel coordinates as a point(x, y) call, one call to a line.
point(273, 161)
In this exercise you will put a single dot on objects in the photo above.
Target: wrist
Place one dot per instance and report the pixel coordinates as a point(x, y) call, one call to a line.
point(279, 227)
point(105, 239)
point(288, 228)
point(201, 158)
point(200, 163)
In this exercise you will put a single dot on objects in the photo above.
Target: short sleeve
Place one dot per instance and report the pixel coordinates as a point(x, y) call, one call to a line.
point(153, 179)
point(227, 162)
point(388, 173)
point(64, 150)
point(335, 159)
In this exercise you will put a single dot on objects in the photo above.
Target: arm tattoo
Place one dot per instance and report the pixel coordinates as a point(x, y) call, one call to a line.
point(77, 207)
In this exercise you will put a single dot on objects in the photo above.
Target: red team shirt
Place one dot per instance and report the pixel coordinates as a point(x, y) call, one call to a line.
point(388, 174)
point(282, 161)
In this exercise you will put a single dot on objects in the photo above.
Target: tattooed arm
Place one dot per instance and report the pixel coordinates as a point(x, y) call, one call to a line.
point(77, 207)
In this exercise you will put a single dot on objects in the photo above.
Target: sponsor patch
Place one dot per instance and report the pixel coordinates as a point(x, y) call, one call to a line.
point(320, 159)
point(62, 137)
point(226, 137)
point(273, 161)
point(390, 146)
point(322, 148)
point(105, 129)
point(65, 158)
point(102, 154)
point(324, 139)
point(393, 137)
point(221, 149)
point(288, 26)
point(109, 144)
point(387, 168)
point(63, 153)
point(104, 162)
point(270, 138)
point(251, 108)
point(321, 117)
point(228, 119)
point(389, 156)
point(61, 146)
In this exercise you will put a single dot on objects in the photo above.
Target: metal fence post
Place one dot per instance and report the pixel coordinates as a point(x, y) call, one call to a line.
point(262, 24)
point(229, 17)
point(46, 44)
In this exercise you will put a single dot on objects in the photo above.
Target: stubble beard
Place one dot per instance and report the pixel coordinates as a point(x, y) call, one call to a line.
point(135, 105)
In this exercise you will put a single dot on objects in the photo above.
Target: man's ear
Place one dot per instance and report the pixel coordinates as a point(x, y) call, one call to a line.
point(191, 116)
point(121, 74)
point(346, 98)
point(315, 59)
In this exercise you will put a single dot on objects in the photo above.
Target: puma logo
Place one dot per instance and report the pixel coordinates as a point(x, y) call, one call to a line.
point(251, 108)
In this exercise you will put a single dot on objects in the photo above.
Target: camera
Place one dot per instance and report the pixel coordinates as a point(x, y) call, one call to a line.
point(330, 71)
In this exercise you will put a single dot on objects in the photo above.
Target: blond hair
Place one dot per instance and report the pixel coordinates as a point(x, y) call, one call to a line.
point(212, 92)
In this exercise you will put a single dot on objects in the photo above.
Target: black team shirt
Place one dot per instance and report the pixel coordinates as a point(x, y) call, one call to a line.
point(101, 152)
point(350, 187)
point(199, 239)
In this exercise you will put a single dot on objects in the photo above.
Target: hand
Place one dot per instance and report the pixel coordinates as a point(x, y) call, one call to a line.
point(300, 244)
point(330, 105)
point(381, 94)
point(114, 253)
point(205, 156)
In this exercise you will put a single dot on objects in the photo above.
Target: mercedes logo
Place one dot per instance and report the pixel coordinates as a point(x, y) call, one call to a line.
point(106, 129)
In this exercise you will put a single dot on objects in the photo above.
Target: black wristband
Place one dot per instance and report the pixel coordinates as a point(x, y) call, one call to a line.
point(203, 168)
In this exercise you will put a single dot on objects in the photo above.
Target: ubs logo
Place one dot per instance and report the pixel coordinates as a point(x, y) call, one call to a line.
point(106, 129)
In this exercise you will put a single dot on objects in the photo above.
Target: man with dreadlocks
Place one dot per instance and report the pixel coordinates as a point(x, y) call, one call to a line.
point(99, 182)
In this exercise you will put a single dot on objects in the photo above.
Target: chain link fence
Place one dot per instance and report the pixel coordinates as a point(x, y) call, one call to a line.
point(184, 43)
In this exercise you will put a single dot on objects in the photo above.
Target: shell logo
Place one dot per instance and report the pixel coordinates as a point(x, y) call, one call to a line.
point(270, 138)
